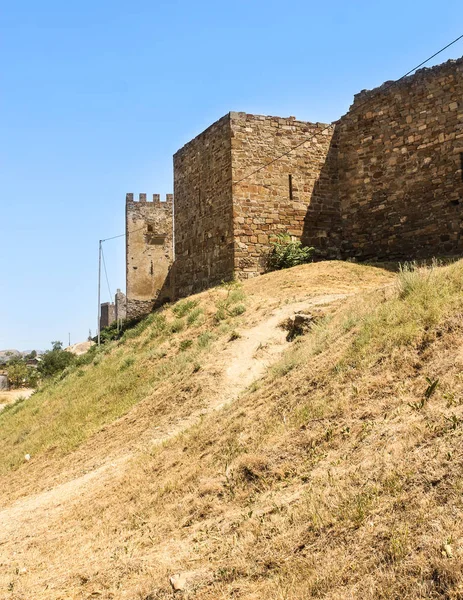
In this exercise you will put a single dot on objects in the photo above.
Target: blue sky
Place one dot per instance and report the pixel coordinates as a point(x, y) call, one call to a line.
point(98, 95)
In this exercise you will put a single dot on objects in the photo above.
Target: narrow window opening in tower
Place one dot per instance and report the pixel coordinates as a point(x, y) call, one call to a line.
point(461, 165)
point(290, 183)
point(156, 239)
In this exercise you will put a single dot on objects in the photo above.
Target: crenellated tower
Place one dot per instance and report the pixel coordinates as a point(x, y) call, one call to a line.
point(149, 253)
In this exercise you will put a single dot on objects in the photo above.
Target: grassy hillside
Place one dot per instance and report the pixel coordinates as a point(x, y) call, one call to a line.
point(338, 474)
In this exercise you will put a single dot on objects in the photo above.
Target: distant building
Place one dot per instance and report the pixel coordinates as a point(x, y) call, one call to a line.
point(4, 383)
point(113, 311)
point(33, 362)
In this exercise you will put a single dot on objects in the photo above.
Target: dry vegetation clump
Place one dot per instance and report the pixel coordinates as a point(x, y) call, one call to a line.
point(249, 469)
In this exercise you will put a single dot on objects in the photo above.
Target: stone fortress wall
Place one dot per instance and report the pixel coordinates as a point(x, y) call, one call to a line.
point(149, 253)
point(400, 184)
point(383, 182)
point(204, 236)
point(113, 311)
point(107, 314)
point(292, 194)
point(223, 226)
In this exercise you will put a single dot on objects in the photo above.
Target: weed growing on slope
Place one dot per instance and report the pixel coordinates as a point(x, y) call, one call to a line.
point(234, 335)
point(424, 297)
point(185, 344)
point(194, 315)
point(231, 305)
point(428, 392)
point(127, 362)
point(205, 339)
point(184, 307)
point(177, 325)
point(237, 310)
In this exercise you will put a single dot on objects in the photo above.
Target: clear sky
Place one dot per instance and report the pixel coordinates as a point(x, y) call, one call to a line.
point(98, 94)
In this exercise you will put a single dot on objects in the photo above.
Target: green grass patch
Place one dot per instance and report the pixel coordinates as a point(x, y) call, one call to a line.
point(99, 388)
point(184, 307)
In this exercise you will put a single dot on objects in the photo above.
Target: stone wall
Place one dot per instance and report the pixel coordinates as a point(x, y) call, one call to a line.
point(294, 193)
point(107, 314)
point(224, 229)
point(203, 210)
point(113, 311)
point(120, 301)
point(149, 253)
point(400, 167)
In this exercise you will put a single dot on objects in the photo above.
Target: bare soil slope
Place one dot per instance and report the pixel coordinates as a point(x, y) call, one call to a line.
point(209, 446)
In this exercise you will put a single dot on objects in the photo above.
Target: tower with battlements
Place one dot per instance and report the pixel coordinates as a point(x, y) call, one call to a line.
point(149, 253)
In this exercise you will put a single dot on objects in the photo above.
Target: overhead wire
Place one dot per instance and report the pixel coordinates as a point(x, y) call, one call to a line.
point(122, 234)
point(355, 108)
point(106, 274)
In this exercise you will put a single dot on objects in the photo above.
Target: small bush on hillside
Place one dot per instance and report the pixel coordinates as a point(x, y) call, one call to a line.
point(185, 344)
point(205, 339)
point(128, 362)
point(236, 293)
point(194, 315)
point(288, 252)
point(177, 325)
point(413, 278)
point(237, 310)
point(220, 315)
point(227, 307)
point(184, 307)
point(250, 468)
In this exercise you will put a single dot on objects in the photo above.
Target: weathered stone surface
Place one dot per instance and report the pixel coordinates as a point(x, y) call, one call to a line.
point(204, 236)
point(149, 253)
point(121, 305)
point(107, 314)
point(400, 167)
point(292, 194)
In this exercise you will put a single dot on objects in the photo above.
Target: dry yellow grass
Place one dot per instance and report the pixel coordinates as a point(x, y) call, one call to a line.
point(338, 475)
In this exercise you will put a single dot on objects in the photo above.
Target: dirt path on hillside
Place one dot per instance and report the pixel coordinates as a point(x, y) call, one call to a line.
point(259, 347)
point(247, 357)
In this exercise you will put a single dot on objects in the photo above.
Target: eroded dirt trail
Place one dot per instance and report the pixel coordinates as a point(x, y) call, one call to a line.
point(260, 346)
point(246, 360)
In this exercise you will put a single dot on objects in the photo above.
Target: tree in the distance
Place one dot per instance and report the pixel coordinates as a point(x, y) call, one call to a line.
point(54, 361)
